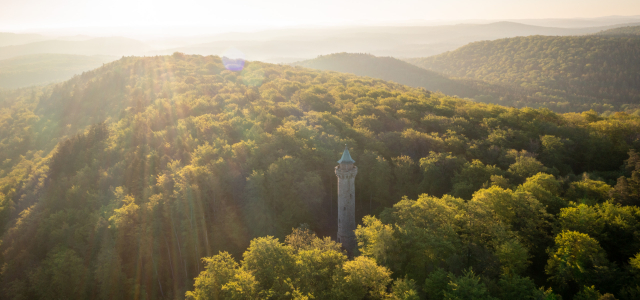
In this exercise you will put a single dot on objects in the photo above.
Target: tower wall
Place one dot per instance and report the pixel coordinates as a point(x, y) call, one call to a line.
point(347, 206)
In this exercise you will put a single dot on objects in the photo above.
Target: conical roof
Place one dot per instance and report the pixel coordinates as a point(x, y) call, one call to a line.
point(346, 157)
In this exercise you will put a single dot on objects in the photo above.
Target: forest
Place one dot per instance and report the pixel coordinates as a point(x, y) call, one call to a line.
point(565, 74)
point(41, 69)
point(391, 69)
point(621, 31)
point(173, 177)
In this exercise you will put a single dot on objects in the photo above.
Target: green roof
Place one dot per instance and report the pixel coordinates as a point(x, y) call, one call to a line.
point(346, 157)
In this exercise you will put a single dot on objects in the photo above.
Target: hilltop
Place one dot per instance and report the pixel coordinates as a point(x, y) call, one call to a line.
point(116, 46)
point(396, 41)
point(116, 184)
point(621, 31)
point(39, 69)
point(562, 73)
point(390, 69)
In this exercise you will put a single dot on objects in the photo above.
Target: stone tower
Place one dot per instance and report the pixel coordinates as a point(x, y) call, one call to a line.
point(346, 173)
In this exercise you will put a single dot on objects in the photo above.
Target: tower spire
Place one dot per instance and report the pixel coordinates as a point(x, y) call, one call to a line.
point(346, 156)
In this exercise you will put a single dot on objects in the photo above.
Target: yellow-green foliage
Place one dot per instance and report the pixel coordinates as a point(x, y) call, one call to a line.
point(307, 267)
point(140, 168)
point(565, 74)
point(577, 258)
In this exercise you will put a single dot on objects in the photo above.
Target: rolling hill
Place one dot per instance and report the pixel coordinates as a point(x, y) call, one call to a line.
point(616, 21)
point(40, 69)
point(115, 46)
point(390, 69)
point(562, 73)
point(621, 31)
point(12, 39)
point(396, 41)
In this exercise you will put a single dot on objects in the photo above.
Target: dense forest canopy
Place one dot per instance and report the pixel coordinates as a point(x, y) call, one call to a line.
point(391, 69)
point(621, 31)
point(41, 69)
point(566, 74)
point(171, 176)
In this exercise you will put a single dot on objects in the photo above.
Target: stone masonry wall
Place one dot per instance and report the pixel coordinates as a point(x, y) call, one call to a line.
point(347, 206)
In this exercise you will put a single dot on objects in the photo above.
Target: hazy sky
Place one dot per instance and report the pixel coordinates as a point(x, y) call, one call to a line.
point(20, 15)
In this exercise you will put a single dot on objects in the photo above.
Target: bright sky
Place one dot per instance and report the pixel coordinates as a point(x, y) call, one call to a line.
point(20, 15)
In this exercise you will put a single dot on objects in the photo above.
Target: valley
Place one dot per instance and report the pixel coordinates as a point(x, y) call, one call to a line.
point(487, 159)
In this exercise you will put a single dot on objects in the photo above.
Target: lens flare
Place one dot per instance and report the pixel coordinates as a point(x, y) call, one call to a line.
point(233, 59)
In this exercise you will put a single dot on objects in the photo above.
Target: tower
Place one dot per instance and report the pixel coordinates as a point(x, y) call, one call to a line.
point(346, 173)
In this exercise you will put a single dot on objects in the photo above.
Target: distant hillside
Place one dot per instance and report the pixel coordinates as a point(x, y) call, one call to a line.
point(117, 46)
point(12, 39)
point(391, 69)
point(562, 73)
point(621, 31)
point(396, 41)
point(39, 69)
point(582, 22)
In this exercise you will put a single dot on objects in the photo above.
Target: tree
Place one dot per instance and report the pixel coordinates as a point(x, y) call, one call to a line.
point(577, 259)
point(473, 176)
point(317, 262)
point(520, 211)
point(627, 190)
point(307, 267)
point(243, 287)
point(407, 175)
point(362, 278)
point(438, 170)
point(61, 276)
point(466, 287)
point(525, 167)
point(590, 293)
point(436, 284)
point(271, 262)
point(546, 189)
point(316, 271)
point(412, 228)
point(112, 281)
point(614, 226)
point(635, 261)
point(554, 151)
point(516, 287)
point(588, 191)
point(374, 184)
point(404, 289)
point(210, 284)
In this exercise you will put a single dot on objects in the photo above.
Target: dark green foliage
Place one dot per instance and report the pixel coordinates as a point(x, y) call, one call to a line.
point(562, 73)
point(439, 170)
point(60, 276)
point(131, 173)
point(516, 287)
point(621, 31)
point(615, 227)
point(577, 260)
point(307, 267)
point(74, 153)
point(627, 190)
point(389, 68)
point(436, 284)
point(40, 69)
point(473, 176)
